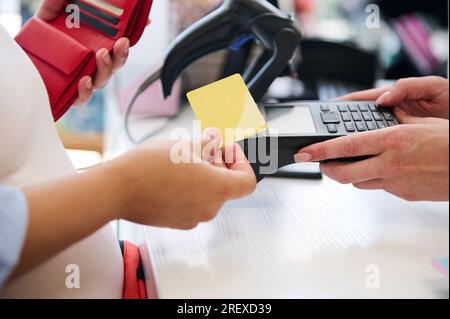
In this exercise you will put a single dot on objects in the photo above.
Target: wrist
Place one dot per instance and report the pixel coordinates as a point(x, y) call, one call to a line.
point(123, 181)
point(116, 188)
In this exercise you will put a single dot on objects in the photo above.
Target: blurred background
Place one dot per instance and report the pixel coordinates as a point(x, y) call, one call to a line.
point(347, 45)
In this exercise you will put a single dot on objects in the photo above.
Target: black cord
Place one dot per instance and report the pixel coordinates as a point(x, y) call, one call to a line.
point(144, 86)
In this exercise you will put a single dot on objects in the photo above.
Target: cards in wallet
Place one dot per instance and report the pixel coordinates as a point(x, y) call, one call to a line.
point(64, 53)
point(229, 106)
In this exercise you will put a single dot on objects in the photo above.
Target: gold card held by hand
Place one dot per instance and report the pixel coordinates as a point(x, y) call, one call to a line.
point(229, 106)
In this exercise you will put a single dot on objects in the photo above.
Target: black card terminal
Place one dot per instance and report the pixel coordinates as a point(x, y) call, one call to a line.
point(296, 125)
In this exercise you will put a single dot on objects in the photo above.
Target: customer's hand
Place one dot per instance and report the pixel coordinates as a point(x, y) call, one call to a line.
point(163, 193)
point(409, 160)
point(106, 64)
point(422, 97)
point(145, 186)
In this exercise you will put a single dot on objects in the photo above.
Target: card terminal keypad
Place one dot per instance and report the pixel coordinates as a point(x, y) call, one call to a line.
point(355, 117)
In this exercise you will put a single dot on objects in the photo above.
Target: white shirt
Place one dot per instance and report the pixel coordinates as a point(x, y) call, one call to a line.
point(31, 153)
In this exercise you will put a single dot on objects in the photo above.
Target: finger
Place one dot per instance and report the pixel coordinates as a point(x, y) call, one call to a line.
point(211, 141)
point(235, 158)
point(50, 9)
point(368, 95)
point(371, 185)
point(355, 145)
point(104, 68)
point(410, 89)
point(351, 173)
point(85, 90)
point(149, 21)
point(121, 51)
point(239, 177)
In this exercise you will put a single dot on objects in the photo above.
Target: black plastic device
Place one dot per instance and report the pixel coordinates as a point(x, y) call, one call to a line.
point(232, 25)
point(296, 125)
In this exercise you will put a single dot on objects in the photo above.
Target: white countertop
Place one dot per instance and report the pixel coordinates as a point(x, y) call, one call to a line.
point(306, 239)
point(296, 239)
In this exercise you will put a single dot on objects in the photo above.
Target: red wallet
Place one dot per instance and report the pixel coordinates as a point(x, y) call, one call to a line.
point(64, 53)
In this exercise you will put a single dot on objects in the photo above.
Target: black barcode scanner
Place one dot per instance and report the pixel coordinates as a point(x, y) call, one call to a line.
point(230, 26)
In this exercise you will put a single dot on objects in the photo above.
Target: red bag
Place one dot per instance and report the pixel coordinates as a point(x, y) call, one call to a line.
point(134, 278)
point(63, 55)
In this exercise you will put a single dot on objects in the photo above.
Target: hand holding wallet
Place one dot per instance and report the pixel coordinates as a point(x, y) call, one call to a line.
point(63, 54)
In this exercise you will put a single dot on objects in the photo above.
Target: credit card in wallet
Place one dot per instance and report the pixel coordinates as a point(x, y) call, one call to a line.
point(106, 6)
point(229, 106)
point(100, 26)
point(95, 11)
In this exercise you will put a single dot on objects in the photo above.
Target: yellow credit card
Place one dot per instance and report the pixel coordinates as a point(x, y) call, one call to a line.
point(229, 106)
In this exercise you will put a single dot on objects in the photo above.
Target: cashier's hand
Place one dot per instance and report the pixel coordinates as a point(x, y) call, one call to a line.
point(422, 97)
point(106, 63)
point(165, 193)
point(409, 160)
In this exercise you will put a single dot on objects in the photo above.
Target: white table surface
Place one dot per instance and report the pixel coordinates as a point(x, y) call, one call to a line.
point(296, 239)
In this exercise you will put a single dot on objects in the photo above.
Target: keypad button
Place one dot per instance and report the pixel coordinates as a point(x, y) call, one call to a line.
point(330, 118)
point(367, 117)
point(343, 108)
point(325, 107)
point(346, 117)
point(360, 127)
point(373, 107)
point(377, 116)
point(388, 116)
point(350, 127)
point(332, 128)
point(363, 108)
point(357, 117)
point(381, 125)
point(372, 126)
point(391, 123)
point(353, 107)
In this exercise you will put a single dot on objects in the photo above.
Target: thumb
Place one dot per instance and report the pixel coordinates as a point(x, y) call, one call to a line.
point(393, 97)
point(210, 141)
point(50, 9)
point(239, 175)
point(235, 159)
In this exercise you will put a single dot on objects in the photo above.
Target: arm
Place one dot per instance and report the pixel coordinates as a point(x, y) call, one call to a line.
point(144, 186)
point(65, 211)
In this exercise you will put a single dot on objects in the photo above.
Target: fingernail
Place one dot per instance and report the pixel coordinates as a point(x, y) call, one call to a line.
point(89, 84)
point(302, 158)
point(383, 98)
point(106, 57)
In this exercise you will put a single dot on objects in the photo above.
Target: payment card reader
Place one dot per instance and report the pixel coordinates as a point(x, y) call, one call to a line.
point(295, 125)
